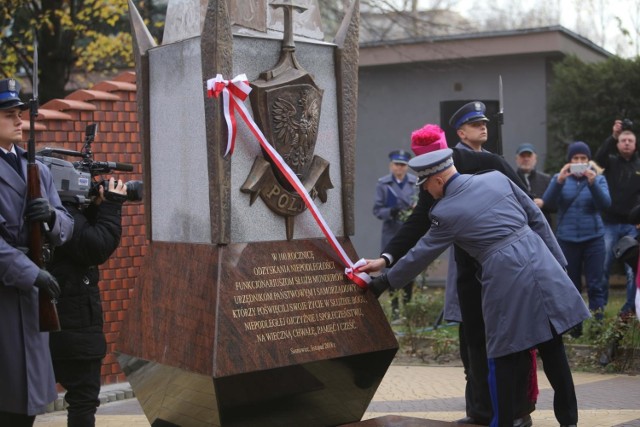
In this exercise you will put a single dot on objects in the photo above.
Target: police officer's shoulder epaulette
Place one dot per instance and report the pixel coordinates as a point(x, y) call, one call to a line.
point(386, 179)
point(412, 178)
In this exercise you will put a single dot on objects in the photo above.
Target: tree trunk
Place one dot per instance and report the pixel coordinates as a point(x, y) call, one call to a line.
point(56, 60)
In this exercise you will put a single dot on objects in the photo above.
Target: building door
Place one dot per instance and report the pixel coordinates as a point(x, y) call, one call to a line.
point(447, 108)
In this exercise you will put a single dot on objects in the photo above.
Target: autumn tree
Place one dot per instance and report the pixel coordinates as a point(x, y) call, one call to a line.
point(73, 35)
point(586, 98)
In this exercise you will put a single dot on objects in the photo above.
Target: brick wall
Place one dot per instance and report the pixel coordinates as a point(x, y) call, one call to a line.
point(61, 123)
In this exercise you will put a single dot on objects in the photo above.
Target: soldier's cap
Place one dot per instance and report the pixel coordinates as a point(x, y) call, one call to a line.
point(468, 113)
point(400, 156)
point(10, 95)
point(429, 164)
point(526, 148)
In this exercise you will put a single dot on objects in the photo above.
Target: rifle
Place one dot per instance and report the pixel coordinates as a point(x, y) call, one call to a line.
point(49, 321)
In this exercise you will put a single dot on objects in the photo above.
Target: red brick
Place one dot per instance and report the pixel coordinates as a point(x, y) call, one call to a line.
point(114, 86)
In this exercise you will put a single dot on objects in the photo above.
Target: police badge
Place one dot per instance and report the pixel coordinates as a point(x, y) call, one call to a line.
point(286, 103)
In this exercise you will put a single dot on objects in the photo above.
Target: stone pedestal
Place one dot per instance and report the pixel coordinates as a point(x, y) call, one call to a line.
point(253, 334)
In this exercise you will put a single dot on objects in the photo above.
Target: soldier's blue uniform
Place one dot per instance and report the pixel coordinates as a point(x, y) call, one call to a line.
point(27, 384)
point(527, 297)
point(392, 198)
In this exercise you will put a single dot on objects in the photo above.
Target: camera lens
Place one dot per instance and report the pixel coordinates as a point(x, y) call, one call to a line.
point(135, 191)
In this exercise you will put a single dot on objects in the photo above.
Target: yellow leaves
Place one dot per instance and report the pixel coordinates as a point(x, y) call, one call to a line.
point(84, 34)
point(108, 51)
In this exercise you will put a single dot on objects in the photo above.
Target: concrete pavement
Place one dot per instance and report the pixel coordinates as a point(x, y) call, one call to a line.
point(437, 392)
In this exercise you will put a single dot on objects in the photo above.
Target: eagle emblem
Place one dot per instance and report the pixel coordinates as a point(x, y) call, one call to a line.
point(297, 128)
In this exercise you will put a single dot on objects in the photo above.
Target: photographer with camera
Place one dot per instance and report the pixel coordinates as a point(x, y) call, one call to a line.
point(580, 194)
point(77, 351)
point(619, 158)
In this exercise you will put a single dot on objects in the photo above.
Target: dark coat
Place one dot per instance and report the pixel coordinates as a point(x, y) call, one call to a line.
point(27, 384)
point(623, 179)
point(538, 183)
point(96, 236)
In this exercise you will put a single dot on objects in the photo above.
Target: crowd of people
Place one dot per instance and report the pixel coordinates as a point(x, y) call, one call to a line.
point(507, 263)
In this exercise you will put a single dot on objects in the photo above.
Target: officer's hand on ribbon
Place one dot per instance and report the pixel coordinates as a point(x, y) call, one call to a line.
point(40, 210)
point(47, 283)
point(379, 284)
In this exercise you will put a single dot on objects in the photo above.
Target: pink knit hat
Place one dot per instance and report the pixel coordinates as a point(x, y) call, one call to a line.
point(427, 139)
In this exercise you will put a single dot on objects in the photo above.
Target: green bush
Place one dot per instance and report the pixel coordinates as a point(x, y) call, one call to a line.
point(615, 338)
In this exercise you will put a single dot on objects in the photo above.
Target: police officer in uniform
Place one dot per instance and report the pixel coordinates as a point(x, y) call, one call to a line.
point(524, 283)
point(396, 196)
point(470, 124)
point(464, 286)
point(27, 384)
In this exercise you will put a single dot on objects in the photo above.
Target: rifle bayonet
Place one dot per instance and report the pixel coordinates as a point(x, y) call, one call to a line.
point(49, 321)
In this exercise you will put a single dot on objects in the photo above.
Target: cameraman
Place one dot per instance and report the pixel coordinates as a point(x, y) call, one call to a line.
point(619, 158)
point(77, 350)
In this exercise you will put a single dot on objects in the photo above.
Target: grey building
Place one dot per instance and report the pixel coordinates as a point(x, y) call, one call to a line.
point(406, 84)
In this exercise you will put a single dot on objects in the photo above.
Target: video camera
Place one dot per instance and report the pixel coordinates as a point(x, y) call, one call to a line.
point(74, 180)
point(627, 124)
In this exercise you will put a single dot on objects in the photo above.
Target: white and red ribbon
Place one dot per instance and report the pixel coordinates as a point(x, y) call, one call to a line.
point(234, 92)
point(239, 90)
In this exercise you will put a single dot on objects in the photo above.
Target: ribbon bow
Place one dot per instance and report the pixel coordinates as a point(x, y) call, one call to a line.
point(359, 278)
point(234, 92)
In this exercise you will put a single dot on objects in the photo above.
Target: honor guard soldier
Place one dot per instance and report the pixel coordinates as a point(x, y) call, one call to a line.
point(524, 283)
point(396, 196)
point(28, 384)
point(470, 124)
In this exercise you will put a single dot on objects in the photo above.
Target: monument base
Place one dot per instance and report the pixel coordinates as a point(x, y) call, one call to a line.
point(397, 421)
point(252, 335)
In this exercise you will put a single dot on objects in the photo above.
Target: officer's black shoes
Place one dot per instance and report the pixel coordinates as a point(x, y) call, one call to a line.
point(525, 421)
point(568, 425)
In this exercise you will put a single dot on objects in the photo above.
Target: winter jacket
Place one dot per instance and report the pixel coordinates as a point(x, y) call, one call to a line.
point(96, 236)
point(579, 206)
